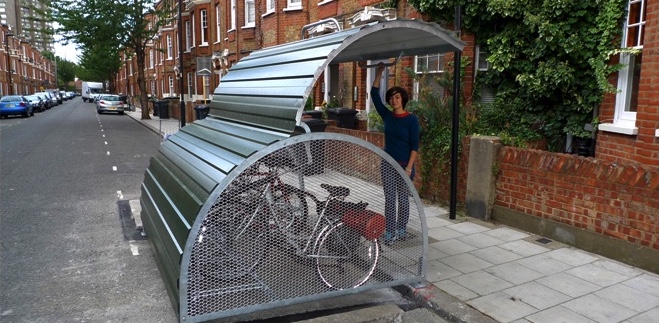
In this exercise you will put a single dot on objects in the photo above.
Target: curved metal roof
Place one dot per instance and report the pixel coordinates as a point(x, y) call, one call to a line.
point(268, 88)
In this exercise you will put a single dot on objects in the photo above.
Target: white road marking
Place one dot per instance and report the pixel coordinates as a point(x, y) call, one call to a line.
point(120, 195)
point(103, 136)
point(106, 142)
point(134, 250)
point(114, 168)
point(108, 153)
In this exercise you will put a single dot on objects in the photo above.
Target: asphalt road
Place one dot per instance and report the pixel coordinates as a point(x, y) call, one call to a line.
point(63, 256)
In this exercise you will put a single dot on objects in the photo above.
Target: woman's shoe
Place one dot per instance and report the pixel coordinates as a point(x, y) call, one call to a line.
point(402, 235)
point(389, 238)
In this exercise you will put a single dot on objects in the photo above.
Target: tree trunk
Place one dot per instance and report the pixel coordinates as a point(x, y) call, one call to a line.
point(141, 82)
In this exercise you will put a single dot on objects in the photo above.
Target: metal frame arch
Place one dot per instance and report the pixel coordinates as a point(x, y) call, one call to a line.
point(248, 162)
point(271, 83)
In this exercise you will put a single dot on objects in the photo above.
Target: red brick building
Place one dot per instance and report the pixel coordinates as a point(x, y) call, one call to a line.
point(30, 71)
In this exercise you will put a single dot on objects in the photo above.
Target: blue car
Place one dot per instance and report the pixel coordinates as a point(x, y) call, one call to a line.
point(15, 104)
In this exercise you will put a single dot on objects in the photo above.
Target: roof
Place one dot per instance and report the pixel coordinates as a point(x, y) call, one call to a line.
point(268, 88)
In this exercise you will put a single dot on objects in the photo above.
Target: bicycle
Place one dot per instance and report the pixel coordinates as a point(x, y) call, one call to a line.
point(342, 241)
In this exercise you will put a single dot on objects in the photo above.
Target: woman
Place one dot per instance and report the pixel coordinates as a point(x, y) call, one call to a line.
point(401, 141)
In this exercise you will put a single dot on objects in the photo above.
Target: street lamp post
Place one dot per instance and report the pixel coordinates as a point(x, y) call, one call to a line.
point(7, 35)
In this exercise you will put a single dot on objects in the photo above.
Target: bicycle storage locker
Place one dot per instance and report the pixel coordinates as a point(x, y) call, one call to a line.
point(228, 201)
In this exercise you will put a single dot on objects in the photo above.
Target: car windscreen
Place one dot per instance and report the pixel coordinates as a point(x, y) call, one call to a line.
point(32, 97)
point(11, 98)
point(110, 98)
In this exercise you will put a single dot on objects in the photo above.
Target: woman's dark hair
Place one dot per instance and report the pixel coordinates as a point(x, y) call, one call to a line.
point(397, 89)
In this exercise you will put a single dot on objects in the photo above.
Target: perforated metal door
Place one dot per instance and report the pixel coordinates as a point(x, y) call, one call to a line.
point(303, 220)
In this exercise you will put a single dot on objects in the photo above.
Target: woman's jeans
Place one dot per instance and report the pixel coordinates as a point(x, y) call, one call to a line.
point(396, 198)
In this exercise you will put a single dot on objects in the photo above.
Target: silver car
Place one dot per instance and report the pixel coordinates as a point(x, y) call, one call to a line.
point(109, 103)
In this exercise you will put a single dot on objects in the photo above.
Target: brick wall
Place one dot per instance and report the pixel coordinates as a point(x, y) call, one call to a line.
point(619, 200)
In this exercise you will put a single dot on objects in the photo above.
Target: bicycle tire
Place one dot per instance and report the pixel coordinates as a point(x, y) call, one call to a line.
point(235, 240)
point(344, 258)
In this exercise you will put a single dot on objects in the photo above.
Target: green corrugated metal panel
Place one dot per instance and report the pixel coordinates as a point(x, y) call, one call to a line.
point(169, 268)
point(182, 175)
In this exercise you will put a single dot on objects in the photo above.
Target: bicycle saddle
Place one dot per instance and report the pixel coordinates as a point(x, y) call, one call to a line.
point(340, 191)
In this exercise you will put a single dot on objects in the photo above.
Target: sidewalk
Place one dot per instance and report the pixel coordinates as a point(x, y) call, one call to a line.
point(482, 272)
point(163, 127)
point(514, 276)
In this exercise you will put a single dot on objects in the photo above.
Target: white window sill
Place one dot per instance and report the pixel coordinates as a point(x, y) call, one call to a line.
point(325, 2)
point(656, 133)
point(268, 13)
point(248, 27)
point(617, 128)
point(293, 9)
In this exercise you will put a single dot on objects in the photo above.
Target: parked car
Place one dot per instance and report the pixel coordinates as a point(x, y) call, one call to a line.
point(109, 103)
point(38, 105)
point(46, 100)
point(53, 100)
point(15, 104)
point(57, 96)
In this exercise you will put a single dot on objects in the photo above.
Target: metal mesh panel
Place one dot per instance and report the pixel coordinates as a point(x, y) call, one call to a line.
point(304, 220)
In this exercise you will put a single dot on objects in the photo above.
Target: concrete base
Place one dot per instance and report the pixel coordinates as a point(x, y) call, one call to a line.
point(620, 250)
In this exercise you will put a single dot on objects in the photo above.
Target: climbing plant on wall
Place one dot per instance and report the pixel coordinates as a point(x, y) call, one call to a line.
point(548, 59)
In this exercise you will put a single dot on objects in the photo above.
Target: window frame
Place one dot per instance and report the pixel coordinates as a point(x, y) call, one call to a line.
point(248, 15)
point(203, 25)
point(440, 60)
point(269, 6)
point(218, 24)
point(188, 35)
point(293, 5)
point(170, 48)
point(232, 21)
point(624, 120)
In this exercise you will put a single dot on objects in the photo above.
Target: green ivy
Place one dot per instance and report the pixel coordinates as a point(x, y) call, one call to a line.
point(548, 59)
point(434, 110)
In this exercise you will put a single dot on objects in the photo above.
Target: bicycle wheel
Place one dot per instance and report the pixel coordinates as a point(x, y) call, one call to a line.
point(290, 209)
point(235, 239)
point(344, 258)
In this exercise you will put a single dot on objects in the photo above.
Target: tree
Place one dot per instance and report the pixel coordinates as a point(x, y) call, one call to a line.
point(548, 59)
point(104, 28)
point(66, 72)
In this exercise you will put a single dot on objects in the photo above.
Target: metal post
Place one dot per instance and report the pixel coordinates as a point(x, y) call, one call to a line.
point(7, 35)
point(180, 60)
point(456, 123)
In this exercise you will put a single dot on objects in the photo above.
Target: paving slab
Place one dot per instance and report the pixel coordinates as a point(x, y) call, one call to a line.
point(502, 307)
point(537, 295)
point(466, 263)
point(558, 314)
point(629, 297)
point(597, 275)
point(514, 273)
point(481, 282)
point(480, 240)
point(495, 255)
point(568, 284)
point(599, 309)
